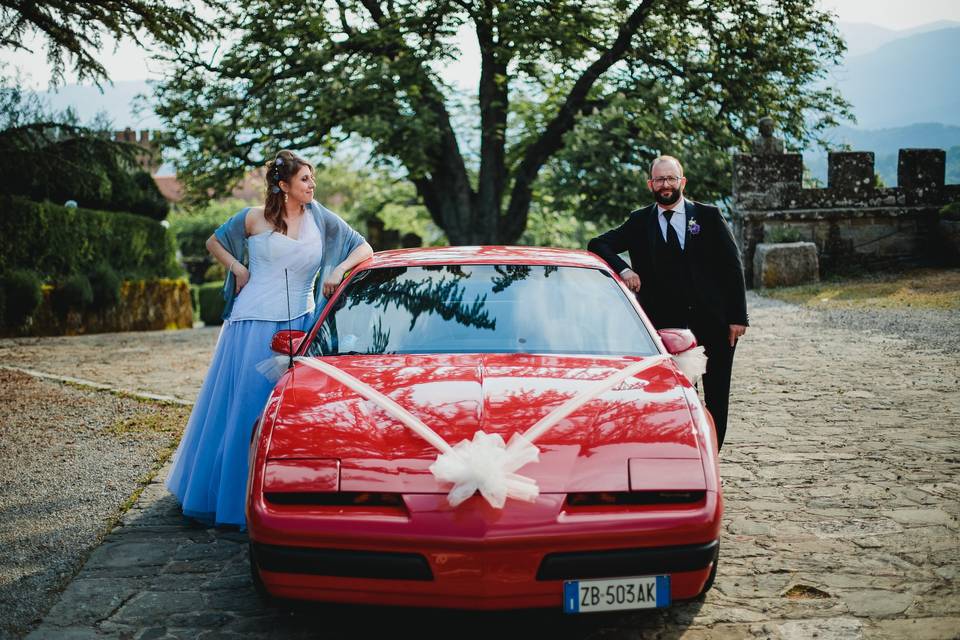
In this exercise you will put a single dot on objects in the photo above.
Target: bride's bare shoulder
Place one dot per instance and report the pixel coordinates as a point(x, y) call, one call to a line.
point(255, 222)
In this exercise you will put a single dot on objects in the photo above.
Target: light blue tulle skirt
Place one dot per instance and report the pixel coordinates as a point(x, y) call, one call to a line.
point(209, 474)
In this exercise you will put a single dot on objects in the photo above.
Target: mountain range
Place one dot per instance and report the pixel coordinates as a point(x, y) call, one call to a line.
point(863, 37)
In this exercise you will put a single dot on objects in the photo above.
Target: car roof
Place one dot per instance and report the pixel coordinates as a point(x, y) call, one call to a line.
point(486, 255)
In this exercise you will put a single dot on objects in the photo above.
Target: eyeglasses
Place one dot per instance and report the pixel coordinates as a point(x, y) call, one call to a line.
point(670, 180)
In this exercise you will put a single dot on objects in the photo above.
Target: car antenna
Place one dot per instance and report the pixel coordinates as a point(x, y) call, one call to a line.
point(286, 281)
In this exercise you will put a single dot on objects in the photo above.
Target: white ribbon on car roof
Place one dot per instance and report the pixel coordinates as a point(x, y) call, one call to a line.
point(485, 463)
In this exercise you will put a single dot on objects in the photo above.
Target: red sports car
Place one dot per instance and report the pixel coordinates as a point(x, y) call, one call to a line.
point(484, 428)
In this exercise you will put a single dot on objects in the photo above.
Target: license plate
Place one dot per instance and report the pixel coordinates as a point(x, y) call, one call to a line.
point(586, 596)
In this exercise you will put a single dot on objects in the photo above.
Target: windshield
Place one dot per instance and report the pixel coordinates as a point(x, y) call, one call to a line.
point(482, 309)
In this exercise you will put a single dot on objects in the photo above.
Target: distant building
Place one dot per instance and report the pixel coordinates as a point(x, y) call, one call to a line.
point(149, 160)
point(251, 188)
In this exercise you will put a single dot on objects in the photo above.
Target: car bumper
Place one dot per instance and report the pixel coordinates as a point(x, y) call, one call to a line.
point(480, 558)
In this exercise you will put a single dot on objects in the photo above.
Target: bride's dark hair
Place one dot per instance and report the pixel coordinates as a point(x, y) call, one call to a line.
point(284, 167)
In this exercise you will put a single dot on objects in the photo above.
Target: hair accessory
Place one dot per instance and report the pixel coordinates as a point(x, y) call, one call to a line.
point(278, 161)
point(274, 189)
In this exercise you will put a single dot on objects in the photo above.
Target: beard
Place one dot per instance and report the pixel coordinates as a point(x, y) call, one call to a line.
point(667, 197)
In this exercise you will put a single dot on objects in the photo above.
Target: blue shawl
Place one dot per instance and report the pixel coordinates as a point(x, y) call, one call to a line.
point(339, 240)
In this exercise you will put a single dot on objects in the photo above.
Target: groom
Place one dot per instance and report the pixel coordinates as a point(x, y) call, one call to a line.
point(686, 271)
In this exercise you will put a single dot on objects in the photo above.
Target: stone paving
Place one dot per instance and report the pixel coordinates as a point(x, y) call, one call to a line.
point(840, 474)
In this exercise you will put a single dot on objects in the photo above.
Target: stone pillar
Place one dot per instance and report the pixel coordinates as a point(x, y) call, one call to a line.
point(766, 181)
point(850, 173)
point(920, 175)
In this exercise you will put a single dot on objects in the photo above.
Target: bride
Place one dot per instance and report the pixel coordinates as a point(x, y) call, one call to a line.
point(289, 241)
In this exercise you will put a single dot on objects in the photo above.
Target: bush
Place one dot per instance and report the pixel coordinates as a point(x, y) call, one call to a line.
point(93, 170)
point(782, 234)
point(215, 273)
point(23, 293)
point(56, 241)
point(951, 211)
point(73, 293)
point(193, 227)
point(192, 235)
point(106, 288)
point(212, 303)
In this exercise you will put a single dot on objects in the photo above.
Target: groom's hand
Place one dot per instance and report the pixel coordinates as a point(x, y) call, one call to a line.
point(631, 279)
point(736, 330)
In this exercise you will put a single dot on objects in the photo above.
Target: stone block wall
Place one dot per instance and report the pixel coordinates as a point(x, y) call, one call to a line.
point(852, 221)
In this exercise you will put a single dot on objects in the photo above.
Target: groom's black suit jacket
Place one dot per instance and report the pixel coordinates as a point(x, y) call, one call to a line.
point(715, 271)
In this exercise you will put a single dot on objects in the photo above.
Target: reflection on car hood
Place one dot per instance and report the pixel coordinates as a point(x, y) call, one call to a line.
point(456, 395)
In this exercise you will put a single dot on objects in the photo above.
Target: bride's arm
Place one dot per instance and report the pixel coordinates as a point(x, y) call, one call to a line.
point(358, 255)
point(229, 262)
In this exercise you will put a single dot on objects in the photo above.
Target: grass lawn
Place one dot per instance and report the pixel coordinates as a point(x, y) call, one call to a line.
point(918, 288)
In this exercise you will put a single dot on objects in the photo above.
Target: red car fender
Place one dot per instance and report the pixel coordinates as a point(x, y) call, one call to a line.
point(259, 443)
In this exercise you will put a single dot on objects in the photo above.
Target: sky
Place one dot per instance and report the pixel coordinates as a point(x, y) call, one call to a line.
point(128, 62)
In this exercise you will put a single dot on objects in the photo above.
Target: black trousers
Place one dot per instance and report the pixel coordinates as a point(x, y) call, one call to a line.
point(716, 381)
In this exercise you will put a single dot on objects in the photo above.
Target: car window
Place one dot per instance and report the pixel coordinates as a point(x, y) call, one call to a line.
point(482, 309)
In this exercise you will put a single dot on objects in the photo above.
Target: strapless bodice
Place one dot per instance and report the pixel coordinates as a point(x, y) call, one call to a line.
point(271, 253)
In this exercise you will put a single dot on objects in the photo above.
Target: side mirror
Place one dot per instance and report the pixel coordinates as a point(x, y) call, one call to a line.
point(677, 340)
point(287, 342)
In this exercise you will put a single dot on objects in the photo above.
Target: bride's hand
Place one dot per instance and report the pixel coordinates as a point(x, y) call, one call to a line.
point(332, 282)
point(241, 275)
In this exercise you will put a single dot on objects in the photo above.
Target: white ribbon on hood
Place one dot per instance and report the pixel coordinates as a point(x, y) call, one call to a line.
point(485, 463)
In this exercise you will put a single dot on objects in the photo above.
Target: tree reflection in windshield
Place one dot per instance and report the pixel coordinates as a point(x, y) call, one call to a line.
point(482, 309)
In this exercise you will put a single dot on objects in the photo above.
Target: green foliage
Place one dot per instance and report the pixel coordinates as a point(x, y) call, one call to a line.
point(192, 227)
point(784, 233)
point(57, 241)
point(361, 194)
point(49, 156)
point(548, 227)
point(106, 287)
point(583, 93)
point(22, 293)
point(73, 293)
point(195, 301)
point(93, 171)
point(951, 211)
point(215, 273)
point(212, 304)
point(74, 31)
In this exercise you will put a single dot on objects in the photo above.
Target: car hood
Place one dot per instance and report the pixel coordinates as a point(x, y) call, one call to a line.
point(644, 417)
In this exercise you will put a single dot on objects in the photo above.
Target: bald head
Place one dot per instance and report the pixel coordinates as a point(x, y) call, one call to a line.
point(672, 164)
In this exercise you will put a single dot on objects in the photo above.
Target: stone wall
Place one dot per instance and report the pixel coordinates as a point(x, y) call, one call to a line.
point(852, 221)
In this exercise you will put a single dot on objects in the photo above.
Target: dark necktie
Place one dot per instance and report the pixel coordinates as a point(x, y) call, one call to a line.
point(673, 241)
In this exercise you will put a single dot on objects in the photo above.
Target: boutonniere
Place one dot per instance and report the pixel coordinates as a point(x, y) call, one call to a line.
point(692, 226)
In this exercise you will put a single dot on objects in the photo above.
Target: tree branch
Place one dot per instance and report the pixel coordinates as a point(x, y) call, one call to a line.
point(513, 224)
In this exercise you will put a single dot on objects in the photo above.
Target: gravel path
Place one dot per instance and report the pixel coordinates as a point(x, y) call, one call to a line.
point(71, 458)
point(170, 363)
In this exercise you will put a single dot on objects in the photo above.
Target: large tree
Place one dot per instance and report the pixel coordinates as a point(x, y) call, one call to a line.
point(615, 81)
point(73, 31)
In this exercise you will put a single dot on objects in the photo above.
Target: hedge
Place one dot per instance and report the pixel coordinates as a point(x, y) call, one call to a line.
point(143, 305)
point(57, 241)
point(212, 303)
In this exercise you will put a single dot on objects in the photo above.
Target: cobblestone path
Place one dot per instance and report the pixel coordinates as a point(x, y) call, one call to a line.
point(840, 474)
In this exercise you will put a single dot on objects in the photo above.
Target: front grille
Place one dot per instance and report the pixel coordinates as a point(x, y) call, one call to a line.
point(633, 498)
point(626, 562)
point(341, 563)
point(336, 499)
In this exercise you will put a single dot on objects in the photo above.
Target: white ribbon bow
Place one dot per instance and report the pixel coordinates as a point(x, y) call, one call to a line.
point(484, 464)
